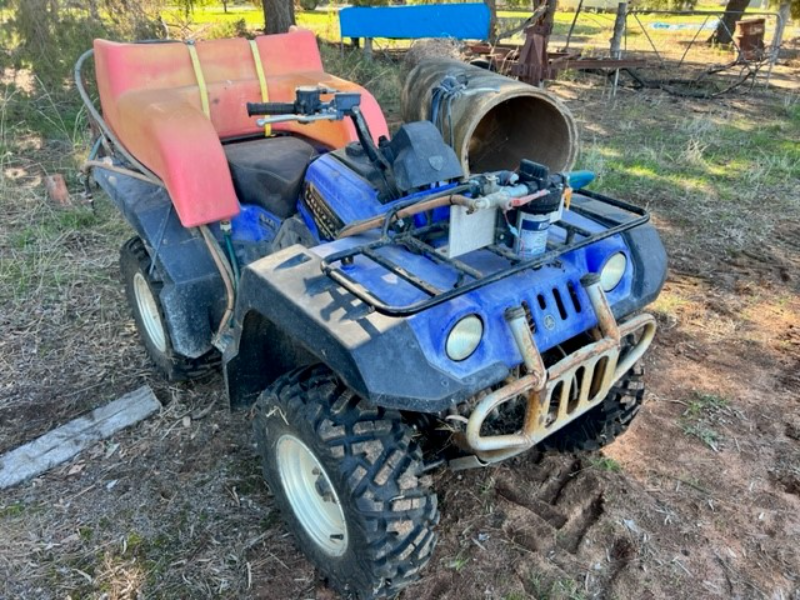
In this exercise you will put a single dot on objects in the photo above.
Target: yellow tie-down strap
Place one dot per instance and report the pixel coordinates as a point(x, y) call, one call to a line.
point(262, 81)
point(201, 81)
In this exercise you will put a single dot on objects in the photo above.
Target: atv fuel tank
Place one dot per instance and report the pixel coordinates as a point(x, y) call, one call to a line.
point(336, 195)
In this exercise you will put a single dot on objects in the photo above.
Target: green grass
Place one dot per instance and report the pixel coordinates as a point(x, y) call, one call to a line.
point(605, 463)
point(12, 510)
point(709, 436)
point(704, 404)
point(459, 562)
point(680, 157)
point(382, 78)
point(708, 174)
point(35, 259)
point(203, 15)
point(697, 419)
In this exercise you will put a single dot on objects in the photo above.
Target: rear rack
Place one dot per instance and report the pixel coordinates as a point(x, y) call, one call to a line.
point(469, 278)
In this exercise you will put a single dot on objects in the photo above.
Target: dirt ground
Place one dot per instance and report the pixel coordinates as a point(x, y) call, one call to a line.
point(701, 498)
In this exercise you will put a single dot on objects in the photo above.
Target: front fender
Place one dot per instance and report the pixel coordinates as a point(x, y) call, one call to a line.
point(377, 356)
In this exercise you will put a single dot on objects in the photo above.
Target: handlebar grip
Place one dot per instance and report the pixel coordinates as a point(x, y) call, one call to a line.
point(269, 108)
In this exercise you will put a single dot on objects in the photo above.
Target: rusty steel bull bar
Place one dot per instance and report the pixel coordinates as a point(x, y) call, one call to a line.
point(593, 369)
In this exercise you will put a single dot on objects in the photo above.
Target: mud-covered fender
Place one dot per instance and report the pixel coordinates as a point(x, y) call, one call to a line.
point(193, 295)
point(647, 252)
point(301, 310)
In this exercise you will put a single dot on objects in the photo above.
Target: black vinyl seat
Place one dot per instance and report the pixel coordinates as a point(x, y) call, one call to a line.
point(269, 172)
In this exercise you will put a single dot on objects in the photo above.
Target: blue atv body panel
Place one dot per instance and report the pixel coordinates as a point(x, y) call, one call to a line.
point(193, 295)
point(351, 197)
point(401, 362)
point(390, 361)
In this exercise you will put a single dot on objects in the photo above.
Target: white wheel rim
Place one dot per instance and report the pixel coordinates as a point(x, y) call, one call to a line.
point(148, 311)
point(311, 495)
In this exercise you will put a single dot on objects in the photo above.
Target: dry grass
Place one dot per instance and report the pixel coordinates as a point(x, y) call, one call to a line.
point(60, 305)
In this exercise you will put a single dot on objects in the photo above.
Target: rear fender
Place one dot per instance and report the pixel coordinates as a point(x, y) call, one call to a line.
point(193, 295)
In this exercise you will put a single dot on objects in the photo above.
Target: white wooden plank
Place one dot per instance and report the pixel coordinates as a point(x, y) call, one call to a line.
point(63, 443)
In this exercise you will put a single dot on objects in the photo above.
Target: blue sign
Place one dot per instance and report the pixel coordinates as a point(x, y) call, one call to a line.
point(459, 21)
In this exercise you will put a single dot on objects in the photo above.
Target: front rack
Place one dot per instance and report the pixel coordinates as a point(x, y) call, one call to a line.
point(469, 278)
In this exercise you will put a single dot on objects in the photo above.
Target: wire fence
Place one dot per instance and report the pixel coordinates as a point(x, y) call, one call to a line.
point(675, 47)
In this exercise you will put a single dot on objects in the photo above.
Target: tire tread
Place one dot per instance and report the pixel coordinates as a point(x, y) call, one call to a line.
point(399, 520)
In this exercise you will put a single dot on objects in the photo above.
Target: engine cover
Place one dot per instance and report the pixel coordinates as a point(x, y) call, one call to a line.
point(344, 186)
point(336, 195)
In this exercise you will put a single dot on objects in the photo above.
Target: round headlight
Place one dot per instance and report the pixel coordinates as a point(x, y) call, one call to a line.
point(612, 272)
point(464, 338)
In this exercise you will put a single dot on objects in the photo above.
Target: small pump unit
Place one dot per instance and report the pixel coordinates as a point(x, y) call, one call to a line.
point(534, 219)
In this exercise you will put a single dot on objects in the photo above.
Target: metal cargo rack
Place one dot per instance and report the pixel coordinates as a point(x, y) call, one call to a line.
point(469, 278)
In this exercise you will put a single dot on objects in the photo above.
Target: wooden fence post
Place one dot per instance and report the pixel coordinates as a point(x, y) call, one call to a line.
point(616, 39)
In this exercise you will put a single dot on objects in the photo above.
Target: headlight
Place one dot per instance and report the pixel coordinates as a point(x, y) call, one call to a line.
point(612, 272)
point(464, 338)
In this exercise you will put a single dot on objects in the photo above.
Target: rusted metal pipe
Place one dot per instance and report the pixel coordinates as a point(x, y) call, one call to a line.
point(648, 324)
point(532, 384)
point(605, 318)
point(493, 120)
point(481, 443)
point(518, 323)
point(425, 205)
point(540, 384)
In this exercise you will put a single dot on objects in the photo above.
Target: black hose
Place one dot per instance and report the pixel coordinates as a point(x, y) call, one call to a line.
point(441, 101)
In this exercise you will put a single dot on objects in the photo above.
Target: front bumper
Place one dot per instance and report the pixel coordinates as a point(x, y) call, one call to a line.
point(563, 392)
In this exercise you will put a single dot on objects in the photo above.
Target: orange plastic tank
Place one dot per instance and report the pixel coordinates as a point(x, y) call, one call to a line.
point(151, 100)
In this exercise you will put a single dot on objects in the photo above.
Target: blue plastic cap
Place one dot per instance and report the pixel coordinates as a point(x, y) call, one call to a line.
point(580, 179)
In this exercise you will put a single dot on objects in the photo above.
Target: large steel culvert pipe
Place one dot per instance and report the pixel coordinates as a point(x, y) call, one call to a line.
point(496, 121)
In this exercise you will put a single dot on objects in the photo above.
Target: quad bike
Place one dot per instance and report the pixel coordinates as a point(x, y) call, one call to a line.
point(387, 307)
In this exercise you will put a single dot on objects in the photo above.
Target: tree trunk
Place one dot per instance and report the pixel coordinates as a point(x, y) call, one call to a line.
point(550, 15)
point(278, 15)
point(225, 6)
point(492, 4)
point(619, 31)
point(727, 25)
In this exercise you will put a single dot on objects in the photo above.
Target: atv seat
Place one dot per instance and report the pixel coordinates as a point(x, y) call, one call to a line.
point(269, 172)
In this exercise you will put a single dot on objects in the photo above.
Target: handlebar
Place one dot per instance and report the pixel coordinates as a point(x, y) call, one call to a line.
point(270, 108)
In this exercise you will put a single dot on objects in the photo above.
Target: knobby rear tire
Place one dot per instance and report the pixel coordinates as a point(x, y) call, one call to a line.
point(134, 260)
